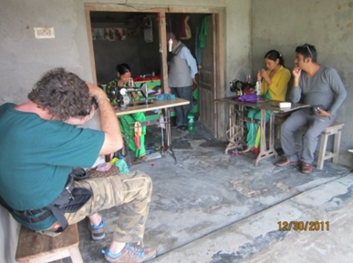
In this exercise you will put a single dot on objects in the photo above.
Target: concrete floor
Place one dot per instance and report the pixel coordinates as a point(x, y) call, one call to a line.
point(213, 207)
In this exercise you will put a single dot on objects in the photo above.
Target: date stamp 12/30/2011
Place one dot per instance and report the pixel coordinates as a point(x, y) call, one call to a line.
point(304, 225)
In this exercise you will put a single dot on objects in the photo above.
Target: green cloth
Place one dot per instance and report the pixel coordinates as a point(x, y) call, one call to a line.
point(36, 157)
point(122, 165)
point(253, 127)
point(127, 128)
point(203, 32)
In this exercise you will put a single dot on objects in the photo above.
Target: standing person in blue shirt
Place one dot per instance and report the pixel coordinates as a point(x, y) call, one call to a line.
point(181, 75)
point(319, 86)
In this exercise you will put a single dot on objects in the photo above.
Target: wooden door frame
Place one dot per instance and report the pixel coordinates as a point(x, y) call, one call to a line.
point(218, 81)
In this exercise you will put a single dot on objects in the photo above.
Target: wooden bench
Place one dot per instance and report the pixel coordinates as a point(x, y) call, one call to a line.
point(33, 247)
point(334, 129)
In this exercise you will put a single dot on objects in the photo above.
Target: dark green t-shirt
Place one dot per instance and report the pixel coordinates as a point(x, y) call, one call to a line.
point(36, 156)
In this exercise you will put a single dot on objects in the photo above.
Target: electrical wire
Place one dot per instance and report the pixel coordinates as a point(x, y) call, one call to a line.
point(170, 40)
point(170, 23)
point(125, 4)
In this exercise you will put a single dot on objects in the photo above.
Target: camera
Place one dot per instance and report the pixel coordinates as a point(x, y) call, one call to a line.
point(88, 109)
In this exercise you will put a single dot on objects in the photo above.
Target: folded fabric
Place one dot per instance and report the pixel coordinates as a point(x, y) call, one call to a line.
point(114, 160)
point(138, 134)
point(103, 167)
point(249, 97)
point(165, 97)
point(123, 167)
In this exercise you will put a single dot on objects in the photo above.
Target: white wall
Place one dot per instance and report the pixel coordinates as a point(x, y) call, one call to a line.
point(24, 59)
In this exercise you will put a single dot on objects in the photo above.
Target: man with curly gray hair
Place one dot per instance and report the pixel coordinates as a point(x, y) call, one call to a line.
point(41, 143)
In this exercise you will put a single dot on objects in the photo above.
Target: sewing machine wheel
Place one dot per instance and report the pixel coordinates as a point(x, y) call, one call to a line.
point(126, 99)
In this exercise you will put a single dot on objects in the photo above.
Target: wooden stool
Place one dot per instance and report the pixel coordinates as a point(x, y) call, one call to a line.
point(334, 129)
point(37, 248)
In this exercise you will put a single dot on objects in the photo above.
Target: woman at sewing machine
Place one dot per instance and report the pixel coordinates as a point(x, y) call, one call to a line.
point(135, 138)
point(274, 85)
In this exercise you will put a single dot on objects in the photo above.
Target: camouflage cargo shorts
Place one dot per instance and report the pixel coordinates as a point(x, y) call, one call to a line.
point(130, 193)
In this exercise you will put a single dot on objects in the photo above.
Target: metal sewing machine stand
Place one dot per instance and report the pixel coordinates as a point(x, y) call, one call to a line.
point(164, 123)
point(235, 132)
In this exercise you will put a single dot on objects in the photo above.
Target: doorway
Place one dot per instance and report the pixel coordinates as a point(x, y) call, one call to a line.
point(137, 35)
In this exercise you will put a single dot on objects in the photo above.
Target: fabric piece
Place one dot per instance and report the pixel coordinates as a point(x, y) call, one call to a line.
point(252, 128)
point(103, 167)
point(183, 30)
point(123, 167)
point(165, 97)
point(137, 134)
point(258, 135)
point(249, 97)
point(203, 32)
point(127, 129)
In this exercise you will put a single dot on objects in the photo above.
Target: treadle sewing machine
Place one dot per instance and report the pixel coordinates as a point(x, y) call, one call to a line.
point(123, 97)
point(237, 118)
point(163, 122)
point(126, 106)
point(241, 88)
point(236, 130)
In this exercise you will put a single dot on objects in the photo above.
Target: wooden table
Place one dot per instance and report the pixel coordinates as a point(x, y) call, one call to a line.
point(236, 131)
point(150, 105)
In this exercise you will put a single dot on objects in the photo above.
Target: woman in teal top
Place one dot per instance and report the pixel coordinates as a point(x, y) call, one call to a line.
point(135, 137)
point(274, 85)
